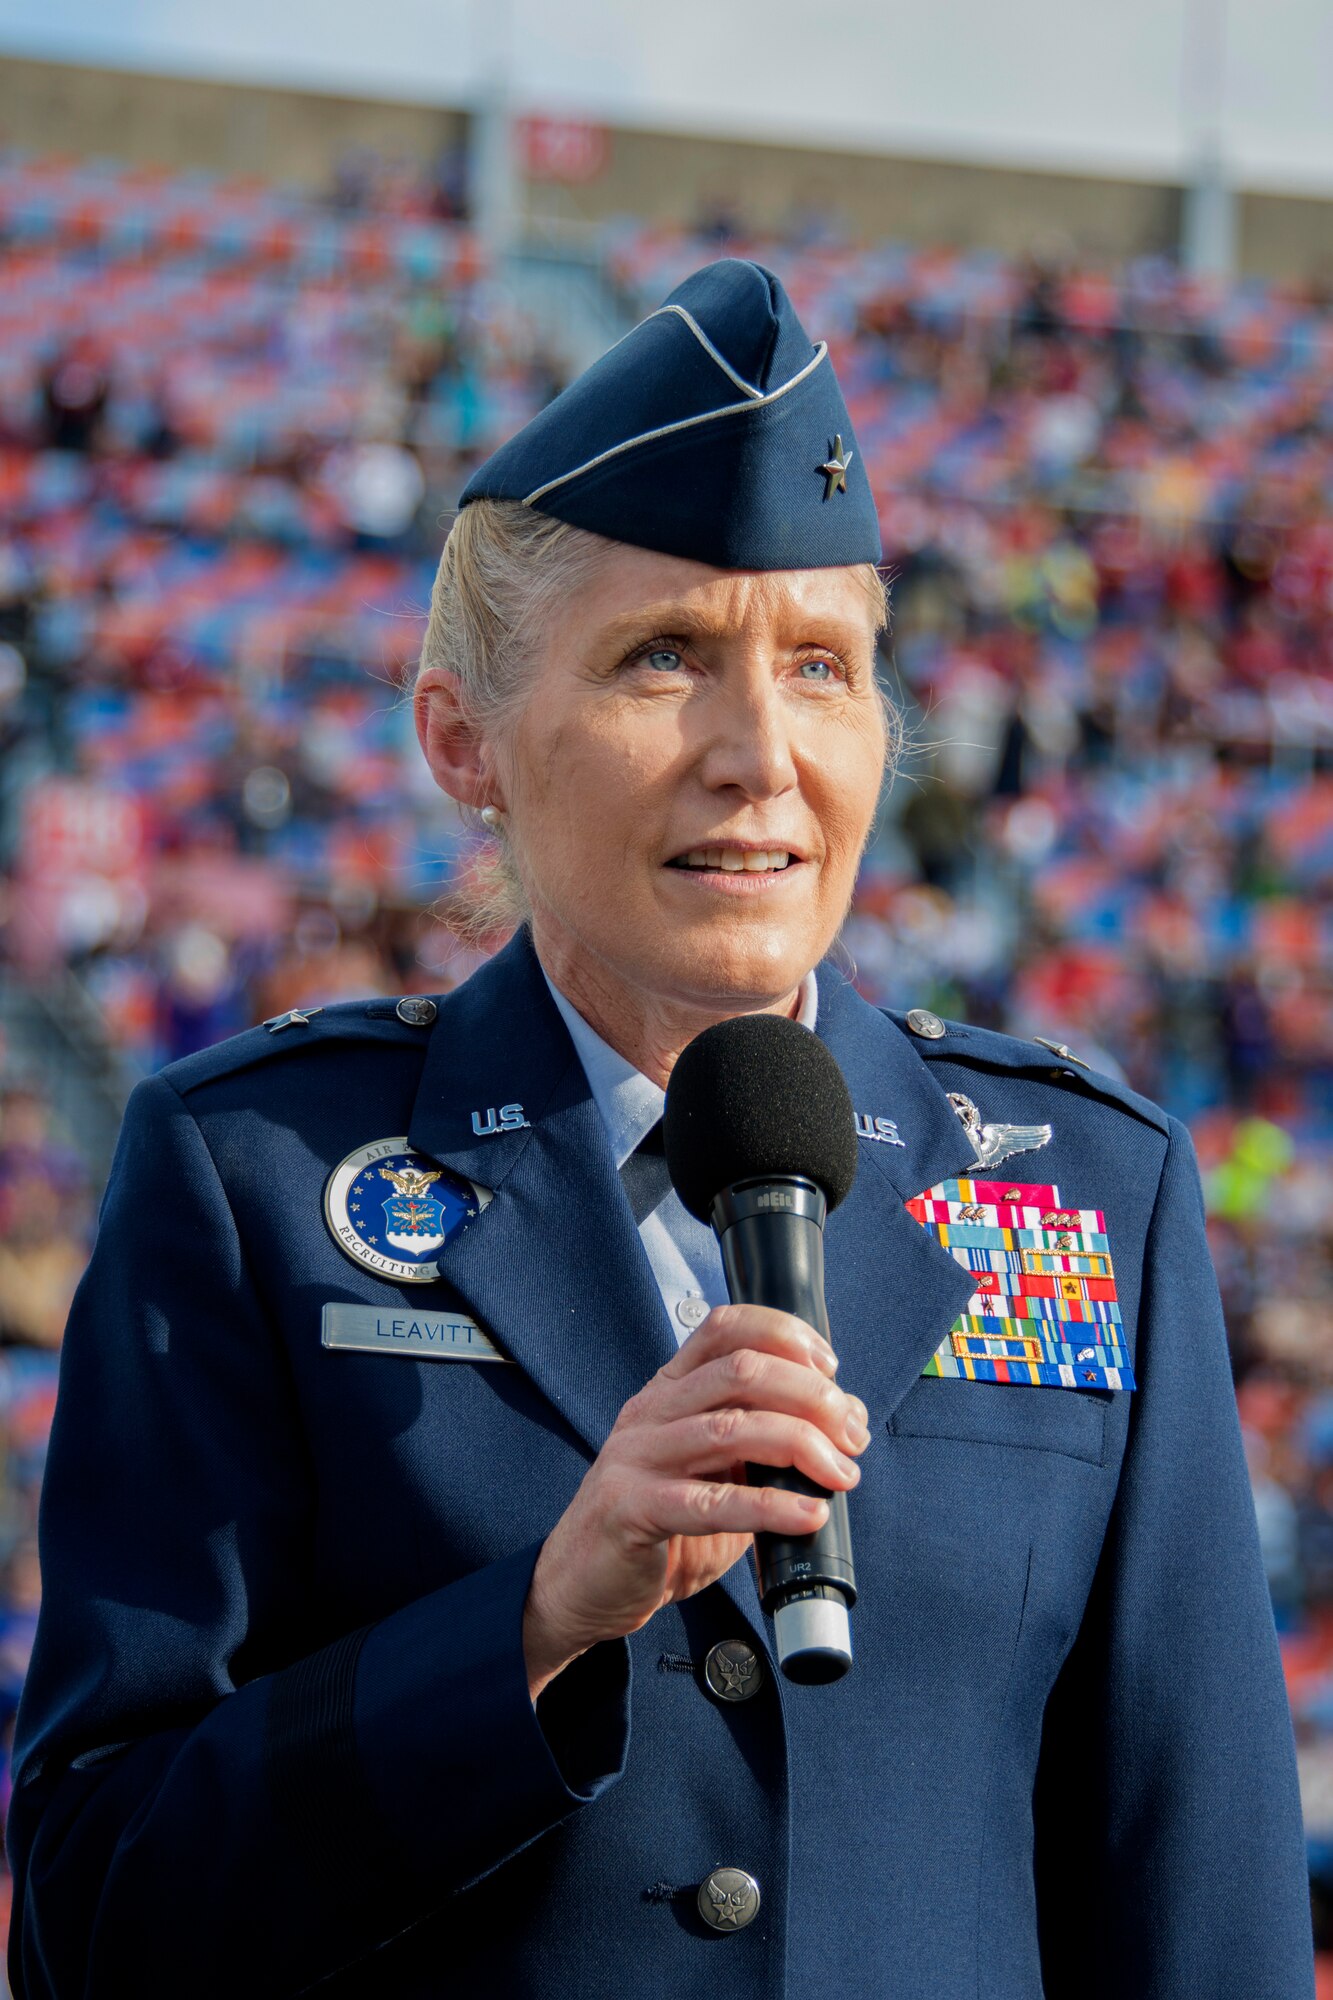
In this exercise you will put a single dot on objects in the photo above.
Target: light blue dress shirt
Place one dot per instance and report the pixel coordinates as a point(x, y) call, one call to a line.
point(682, 1251)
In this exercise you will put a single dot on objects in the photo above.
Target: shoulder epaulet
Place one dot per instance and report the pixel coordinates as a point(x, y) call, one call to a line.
point(302, 1027)
point(936, 1039)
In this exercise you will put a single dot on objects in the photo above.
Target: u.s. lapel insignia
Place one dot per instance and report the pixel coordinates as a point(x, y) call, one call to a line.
point(884, 1131)
point(993, 1143)
point(393, 1211)
point(1044, 1310)
point(509, 1118)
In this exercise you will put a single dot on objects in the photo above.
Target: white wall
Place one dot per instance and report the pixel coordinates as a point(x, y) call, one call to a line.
point(1096, 84)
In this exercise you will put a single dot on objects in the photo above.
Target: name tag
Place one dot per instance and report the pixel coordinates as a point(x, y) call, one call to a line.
point(425, 1336)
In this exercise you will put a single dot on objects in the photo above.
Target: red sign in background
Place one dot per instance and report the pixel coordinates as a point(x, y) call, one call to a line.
point(562, 149)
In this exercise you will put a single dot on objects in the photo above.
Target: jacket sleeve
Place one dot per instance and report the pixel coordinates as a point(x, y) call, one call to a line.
point(214, 1793)
point(1169, 1853)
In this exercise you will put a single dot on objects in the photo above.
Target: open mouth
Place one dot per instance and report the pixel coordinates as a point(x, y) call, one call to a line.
point(736, 860)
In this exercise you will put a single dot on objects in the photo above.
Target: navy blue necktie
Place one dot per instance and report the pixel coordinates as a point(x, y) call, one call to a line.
point(644, 1175)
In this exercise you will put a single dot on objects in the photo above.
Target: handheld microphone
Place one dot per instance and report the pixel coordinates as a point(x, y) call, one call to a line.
point(760, 1143)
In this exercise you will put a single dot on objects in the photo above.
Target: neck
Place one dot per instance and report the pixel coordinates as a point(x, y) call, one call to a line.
point(648, 1029)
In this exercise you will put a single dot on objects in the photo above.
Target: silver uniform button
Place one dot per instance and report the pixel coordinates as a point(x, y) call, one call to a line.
point(728, 1899)
point(732, 1670)
point(922, 1022)
point(692, 1311)
point(416, 1010)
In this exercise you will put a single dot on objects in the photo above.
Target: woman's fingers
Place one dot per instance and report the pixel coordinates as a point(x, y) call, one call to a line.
point(717, 1507)
point(712, 1443)
point(749, 1380)
point(728, 1328)
point(666, 1505)
point(752, 1357)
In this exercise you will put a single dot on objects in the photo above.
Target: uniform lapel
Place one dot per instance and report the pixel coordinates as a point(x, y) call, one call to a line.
point(553, 1268)
point(892, 1291)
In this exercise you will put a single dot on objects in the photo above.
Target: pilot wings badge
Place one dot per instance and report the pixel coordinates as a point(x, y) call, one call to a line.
point(993, 1143)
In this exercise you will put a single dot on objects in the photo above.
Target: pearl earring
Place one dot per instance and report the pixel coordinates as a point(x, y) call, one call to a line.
point(491, 817)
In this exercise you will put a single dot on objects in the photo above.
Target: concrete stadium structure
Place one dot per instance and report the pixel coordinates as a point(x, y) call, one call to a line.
point(656, 176)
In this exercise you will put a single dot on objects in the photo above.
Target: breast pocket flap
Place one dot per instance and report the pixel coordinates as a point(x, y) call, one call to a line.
point(1069, 1421)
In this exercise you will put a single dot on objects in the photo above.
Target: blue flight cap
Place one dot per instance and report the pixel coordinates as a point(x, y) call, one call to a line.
point(715, 429)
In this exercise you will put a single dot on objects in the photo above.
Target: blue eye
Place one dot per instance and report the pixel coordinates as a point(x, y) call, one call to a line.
point(663, 660)
point(816, 670)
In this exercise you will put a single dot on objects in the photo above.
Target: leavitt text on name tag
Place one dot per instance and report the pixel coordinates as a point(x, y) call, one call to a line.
point(426, 1336)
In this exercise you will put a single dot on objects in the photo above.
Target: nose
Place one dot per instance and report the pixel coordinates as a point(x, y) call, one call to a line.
point(749, 745)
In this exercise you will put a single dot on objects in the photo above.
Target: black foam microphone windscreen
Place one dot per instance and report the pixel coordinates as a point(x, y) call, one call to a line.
point(757, 1098)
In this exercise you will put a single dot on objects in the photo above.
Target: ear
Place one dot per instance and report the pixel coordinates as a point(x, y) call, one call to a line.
point(459, 756)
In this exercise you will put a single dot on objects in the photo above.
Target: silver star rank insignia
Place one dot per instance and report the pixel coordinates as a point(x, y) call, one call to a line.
point(297, 1018)
point(835, 467)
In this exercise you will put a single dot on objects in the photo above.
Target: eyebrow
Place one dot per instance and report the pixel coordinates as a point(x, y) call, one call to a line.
point(674, 618)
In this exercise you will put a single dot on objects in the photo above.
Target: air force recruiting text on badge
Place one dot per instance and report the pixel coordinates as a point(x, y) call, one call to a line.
point(393, 1211)
point(1044, 1311)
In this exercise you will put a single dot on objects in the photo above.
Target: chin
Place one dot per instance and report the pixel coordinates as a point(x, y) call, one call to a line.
point(746, 970)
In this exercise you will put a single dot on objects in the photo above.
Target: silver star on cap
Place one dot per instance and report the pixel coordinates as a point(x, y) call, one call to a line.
point(835, 467)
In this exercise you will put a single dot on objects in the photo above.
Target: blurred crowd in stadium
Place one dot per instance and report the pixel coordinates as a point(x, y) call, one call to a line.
point(232, 427)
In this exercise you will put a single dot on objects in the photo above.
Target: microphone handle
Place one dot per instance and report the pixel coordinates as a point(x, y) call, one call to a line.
point(771, 1234)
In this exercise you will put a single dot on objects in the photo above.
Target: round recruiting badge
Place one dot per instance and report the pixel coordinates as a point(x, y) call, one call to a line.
point(393, 1210)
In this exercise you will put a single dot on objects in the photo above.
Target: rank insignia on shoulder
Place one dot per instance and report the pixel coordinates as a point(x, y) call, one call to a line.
point(393, 1210)
point(1060, 1049)
point(1044, 1311)
point(295, 1017)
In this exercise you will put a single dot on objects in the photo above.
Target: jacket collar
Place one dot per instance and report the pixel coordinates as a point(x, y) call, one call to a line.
point(630, 1103)
point(554, 1268)
point(892, 1291)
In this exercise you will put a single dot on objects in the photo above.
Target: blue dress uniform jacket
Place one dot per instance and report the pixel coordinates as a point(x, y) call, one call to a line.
point(277, 1735)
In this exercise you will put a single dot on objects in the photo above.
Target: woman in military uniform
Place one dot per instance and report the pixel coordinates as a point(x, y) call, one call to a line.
point(400, 1634)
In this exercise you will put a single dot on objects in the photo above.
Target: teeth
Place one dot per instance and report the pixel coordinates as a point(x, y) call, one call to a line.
point(737, 860)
